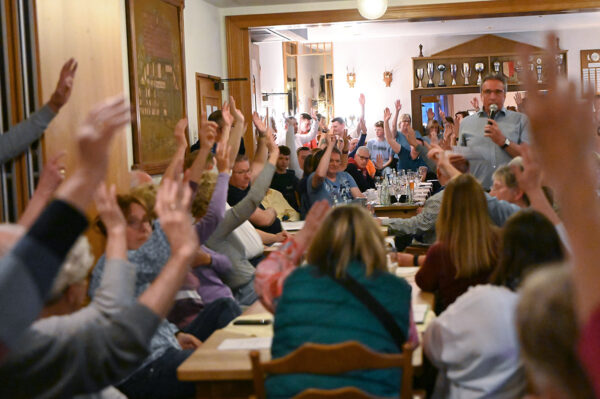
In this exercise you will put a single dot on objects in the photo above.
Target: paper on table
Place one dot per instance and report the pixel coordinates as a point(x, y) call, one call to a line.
point(419, 312)
point(406, 271)
point(293, 226)
point(245, 343)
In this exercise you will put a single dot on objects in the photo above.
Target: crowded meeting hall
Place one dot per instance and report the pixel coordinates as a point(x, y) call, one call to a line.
point(300, 199)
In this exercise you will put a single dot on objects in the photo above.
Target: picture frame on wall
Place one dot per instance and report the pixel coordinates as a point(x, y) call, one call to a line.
point(156, 79)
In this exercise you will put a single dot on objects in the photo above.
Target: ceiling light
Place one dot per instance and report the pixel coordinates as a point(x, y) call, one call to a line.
point(372, 9)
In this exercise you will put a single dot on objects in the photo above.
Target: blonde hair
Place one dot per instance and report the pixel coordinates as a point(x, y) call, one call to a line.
point(146, 194)
point(206, 187)
point(465, 227)
point(348, 233)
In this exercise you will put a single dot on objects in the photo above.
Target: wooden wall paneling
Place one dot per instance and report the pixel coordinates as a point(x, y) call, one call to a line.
point(238, 49)
point(90, 31)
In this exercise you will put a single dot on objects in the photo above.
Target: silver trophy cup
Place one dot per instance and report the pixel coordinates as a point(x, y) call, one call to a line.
point(466, 72)
point(497, 67)
point(420, 75)
point(479, 67)
point(441, 68)
point(453, 72)
point(538, 69)
point(430, 72)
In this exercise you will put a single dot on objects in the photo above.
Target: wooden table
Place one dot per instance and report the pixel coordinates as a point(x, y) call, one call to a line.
point(228, 374)
point(403, 211)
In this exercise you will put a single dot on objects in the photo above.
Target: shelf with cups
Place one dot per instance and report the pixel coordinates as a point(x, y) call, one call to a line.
point(468, 71)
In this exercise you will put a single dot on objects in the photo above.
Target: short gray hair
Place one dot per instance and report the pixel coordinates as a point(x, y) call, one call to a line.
point(75, 268)
point(497, 77)
point(362, 149)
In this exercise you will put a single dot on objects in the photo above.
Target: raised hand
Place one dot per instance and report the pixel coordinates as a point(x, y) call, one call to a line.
point(173, 201)
point(313, 114)
point(398, 105)
point(179, 132)
point(108, 209)
point(259, 123)
point(410, 135)
point(53, 174)
point(442, 117)
point(97, 131)
point(387, 114)
point(475, 103)
point(518, 99)
point(361, 99)
point(207, 133)
point(237, 114)
point(64, 86)
point(222, 157)
point(226, 112)
point(430, 114)
point(331, 140)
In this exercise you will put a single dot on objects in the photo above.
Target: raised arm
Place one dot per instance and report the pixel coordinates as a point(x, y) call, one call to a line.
point(560, 154)
point(172, 207)
point(237, 130)
point(29, 269)
point(272, 272)
point(389, 136)
point(182, 146)
point(18, 138)
point(52, 176)
point(323, 166)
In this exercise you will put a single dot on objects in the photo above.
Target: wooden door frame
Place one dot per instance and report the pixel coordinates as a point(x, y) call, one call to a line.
point(198, 97)
point(238, 38)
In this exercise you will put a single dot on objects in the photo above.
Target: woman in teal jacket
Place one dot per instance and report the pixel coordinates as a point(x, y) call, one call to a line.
point(310, 306)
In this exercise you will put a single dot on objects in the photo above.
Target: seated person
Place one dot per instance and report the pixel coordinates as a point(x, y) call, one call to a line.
point(357, 168)
point(466, 249)
point(302, 153)
point(546, 319)
point(312, 304)
point(408, 154)
point(328, 182)
point(73, 351)
point(240, 241)
point(505, 186)
point(284, 179)
point(474, 342)
point(379, 147)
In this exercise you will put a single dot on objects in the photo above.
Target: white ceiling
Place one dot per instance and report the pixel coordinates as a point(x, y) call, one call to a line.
point(250, 3)
point(349, 31)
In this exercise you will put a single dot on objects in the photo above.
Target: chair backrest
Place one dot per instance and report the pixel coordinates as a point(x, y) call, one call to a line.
point(339, 358)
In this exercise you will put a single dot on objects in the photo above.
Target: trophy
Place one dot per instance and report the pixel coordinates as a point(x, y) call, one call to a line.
point(560, 60)
point(479, 67)
point(466, 72)
point(453, 71)
point(430, 72)
point(538, 69)
point(441, 68)
point(497, 67)
point(420, 75)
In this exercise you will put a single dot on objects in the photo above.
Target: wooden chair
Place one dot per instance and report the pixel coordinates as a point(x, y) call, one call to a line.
point(339, 358)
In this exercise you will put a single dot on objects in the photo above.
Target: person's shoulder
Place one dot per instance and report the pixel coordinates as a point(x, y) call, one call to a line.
point(349, 167)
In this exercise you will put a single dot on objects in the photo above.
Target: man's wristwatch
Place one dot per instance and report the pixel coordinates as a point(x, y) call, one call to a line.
point(506, 143)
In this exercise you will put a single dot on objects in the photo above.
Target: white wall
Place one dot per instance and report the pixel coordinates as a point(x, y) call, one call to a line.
point(369, 58)
point(203, 43)
point(309, 67)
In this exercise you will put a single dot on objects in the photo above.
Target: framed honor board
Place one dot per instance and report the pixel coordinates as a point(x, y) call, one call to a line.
point(156, 79)
point(590, 69)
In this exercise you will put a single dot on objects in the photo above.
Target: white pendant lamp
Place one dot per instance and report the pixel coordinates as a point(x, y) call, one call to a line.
point(372, 9)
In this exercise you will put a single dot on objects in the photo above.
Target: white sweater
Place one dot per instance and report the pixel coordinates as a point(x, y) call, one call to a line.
point(474, 345)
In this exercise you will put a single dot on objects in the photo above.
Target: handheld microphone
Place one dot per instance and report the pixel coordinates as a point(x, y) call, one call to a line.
point(493, 111)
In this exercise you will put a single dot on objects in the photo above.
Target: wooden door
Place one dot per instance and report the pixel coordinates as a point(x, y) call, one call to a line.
point(208, 98)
